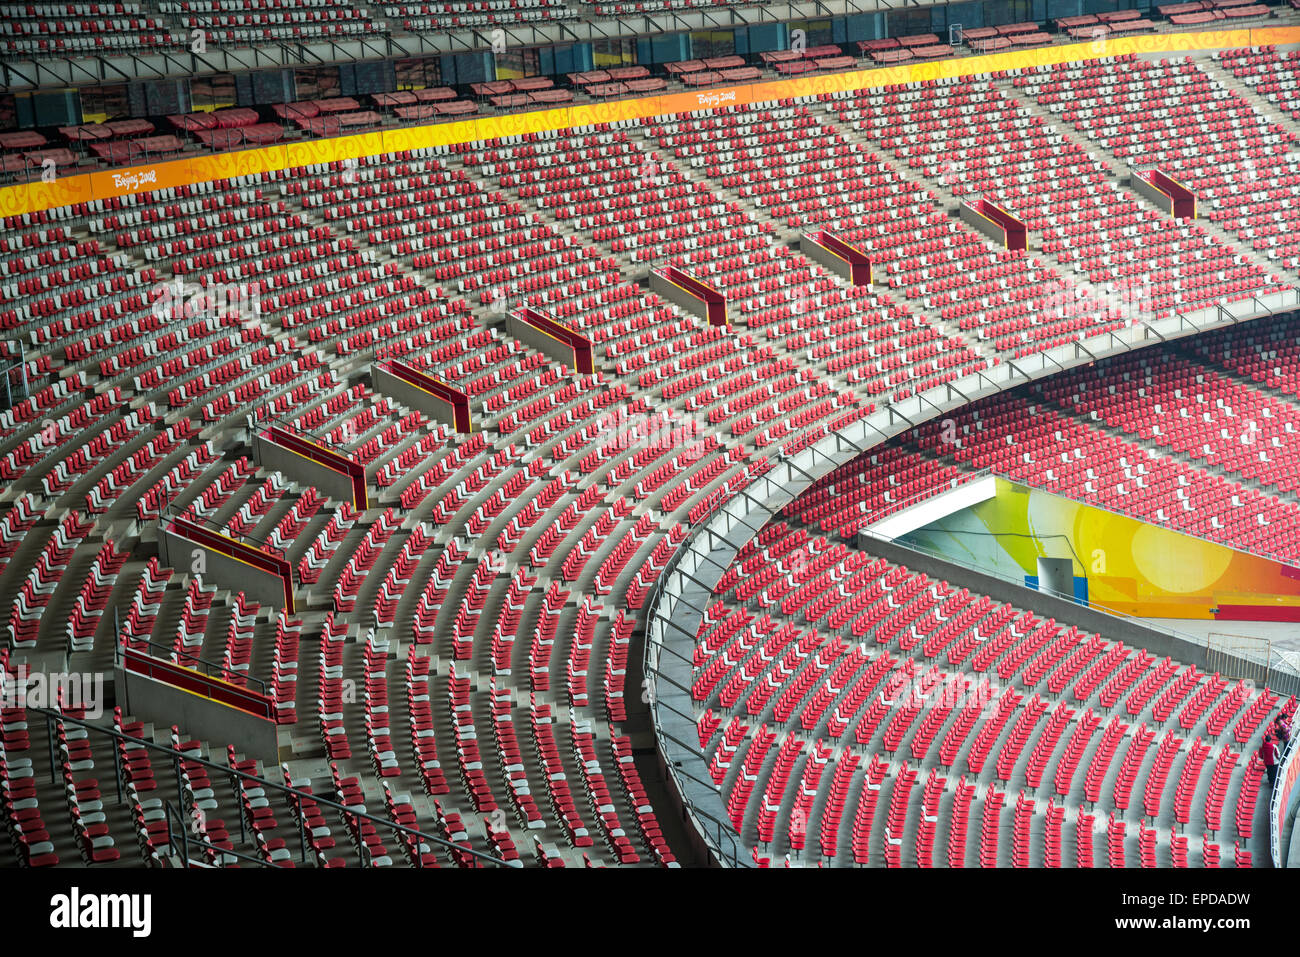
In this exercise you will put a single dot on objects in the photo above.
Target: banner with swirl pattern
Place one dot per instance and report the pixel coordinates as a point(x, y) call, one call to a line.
point(30, 197)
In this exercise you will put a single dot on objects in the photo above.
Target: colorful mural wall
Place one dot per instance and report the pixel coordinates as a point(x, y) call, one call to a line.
point(1131, 567)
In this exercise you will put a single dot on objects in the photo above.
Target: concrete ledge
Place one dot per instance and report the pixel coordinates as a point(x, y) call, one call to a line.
point(196, 716)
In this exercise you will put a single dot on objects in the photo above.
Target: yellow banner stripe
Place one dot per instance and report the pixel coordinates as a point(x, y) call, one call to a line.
point(30, 197)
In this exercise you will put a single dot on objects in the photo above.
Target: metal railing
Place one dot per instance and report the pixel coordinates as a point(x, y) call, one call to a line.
point(893, 419)
point(319, 437)
point(203, 666)
point(16, 385)
point(1252, 657)
point(180, 840)
point(1279, 802)
point(720, 836)
point(171, 511)
point(236, 777)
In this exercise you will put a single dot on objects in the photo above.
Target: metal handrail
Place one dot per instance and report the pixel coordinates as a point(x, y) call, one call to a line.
point(52, 716)
point(281, 422)
point(730, 852)
point(1276, 812)
point(119, 650)
point(11, 393)
point(180, 834)
point(1016, 378)
point(170, 510)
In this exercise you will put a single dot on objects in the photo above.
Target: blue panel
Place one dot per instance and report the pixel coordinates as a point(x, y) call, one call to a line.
point(63, 107)
point(862, 26)
point(998, 12)
point(905, 23)
point(969, 15)
point(468, 67)
point(26, 112)
point(767, 36)
point(360, 79)
point(664, 49)
point(573, 58)
point(1080, 587)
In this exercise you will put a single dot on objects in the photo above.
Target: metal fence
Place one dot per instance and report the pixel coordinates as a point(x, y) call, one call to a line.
point(16, 386)
point(164, 754)
point(1239, 657)
point(889, 421)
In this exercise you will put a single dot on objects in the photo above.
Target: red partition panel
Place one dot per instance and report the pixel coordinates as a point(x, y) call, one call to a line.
point(578, 343)
point(1182, 198)
point(253, 557)
point(334, 461)
point(859, 263)
point(1225, 612)
point(1016, 235)
point(458, 400)
point(715, 303)
point(187, 679)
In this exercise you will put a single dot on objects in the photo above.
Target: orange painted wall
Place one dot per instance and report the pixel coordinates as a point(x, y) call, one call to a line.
point(29, 197)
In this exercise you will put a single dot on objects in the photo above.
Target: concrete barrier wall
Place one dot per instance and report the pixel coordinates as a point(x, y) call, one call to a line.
point(985, 225)
point(824, 257)
point(196, 716)
point(1157, 198)
point(547, 345)
point(222, 570)
point(385, 383)
point(300, 469)
point(678, 296)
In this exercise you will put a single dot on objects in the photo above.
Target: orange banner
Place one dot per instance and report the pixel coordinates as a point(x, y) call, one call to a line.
point(29, 197)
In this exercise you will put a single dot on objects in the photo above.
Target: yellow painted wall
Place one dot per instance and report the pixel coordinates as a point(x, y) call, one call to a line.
point(28, 197)
point(1133, 567)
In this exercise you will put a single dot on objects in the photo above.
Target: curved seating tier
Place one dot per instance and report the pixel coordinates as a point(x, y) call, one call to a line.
point(471, 630)
point(842, 695)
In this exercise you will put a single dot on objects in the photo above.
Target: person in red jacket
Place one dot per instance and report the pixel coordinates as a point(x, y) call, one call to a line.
point(1282, 728)
point(1268, 754)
